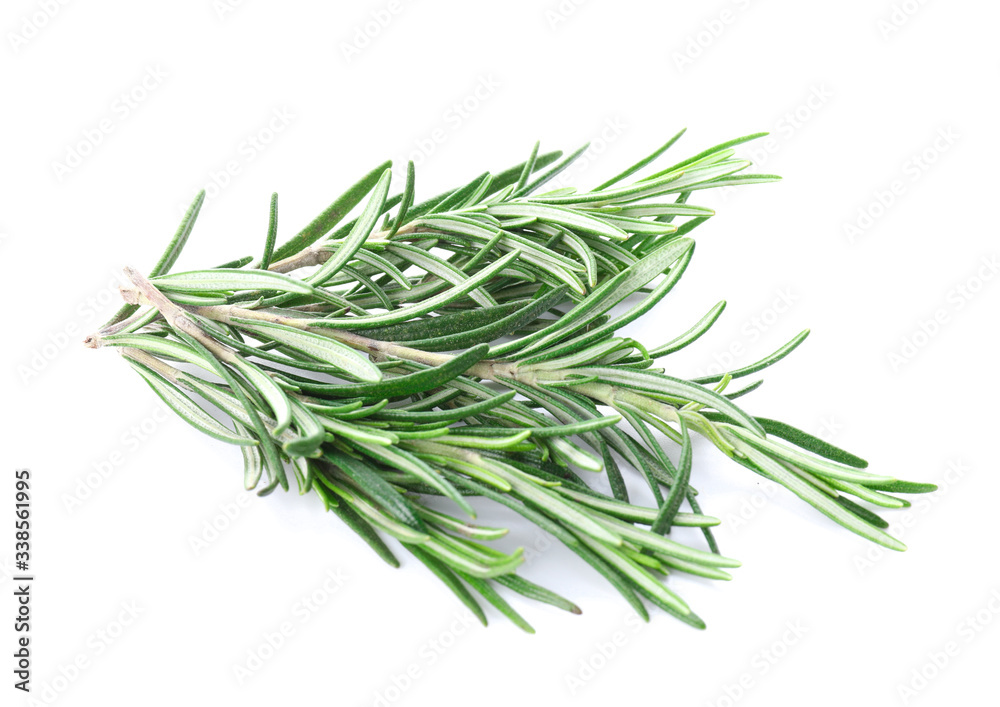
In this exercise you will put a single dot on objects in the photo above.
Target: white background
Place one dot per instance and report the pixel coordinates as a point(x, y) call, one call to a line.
point(857, 95)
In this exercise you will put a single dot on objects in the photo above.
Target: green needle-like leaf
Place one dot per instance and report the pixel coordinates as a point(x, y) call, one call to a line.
point(269, 390)
point(491, 595)
point(450, 580)
point(358, 235)
point(318, 347)
point(190, 411)
point(330, 354)
point(230, 280)
point(428, 305)
point(810, 443)
point(272, 233)
point(407, 201)
point(369, 481)
point(761, 364)
point(333, 214)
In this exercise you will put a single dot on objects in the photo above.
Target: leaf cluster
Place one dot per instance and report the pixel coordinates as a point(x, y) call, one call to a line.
point(467, 346)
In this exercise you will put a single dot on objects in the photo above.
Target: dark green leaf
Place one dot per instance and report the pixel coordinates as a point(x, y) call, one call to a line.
point(333, 214)
point(272, 234)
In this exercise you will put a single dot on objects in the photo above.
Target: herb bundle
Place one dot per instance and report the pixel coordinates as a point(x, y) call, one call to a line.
point(467, 346)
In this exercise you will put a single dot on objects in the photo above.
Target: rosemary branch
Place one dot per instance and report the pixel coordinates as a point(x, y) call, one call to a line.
point(468, 346)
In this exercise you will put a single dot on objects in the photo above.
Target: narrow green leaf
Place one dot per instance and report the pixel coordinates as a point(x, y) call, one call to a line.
point(383, 267)
point(903, 487)
point(673, 387)
point(477, 442)
point(271, 391)
point(169, 256)
point(863, 513)
point(406, 461)
point(761, 364)
point(429, 305)
point(668, 511)
point(230, 280)
point(188, 410)
point(419, 382)
point(743, 391)
point(814, 497)
point(636, 574)
point(510, 176)
point(319, 347)
point(816, 465)
point(556, 214)
point(460, 195)
point(606, 296)
point(450, 580)
point(442, 269)
point(359, 233)
point(310, 432)
point(272, 234)
point(377, 488)
point(429, 329)
point(491, 595)
point(523, 315)
point(358, 524)
point(692, 334)
point(810, 443)
point(531, 590)
point(721, 147)
point(554, 506)
point(557, 169)
point(597, 333)
point(565, 536)
point(333, 214)
point(407, 201)
point(272, 460)
point(629, 171)
point(253, 462)
point(159, 346)
point(447, 414)
point(237, 263)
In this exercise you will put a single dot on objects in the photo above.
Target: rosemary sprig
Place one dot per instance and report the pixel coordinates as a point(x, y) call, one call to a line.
point(467, 346)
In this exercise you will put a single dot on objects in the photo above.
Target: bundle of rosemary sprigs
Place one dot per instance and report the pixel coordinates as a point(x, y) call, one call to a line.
point(466, 346)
